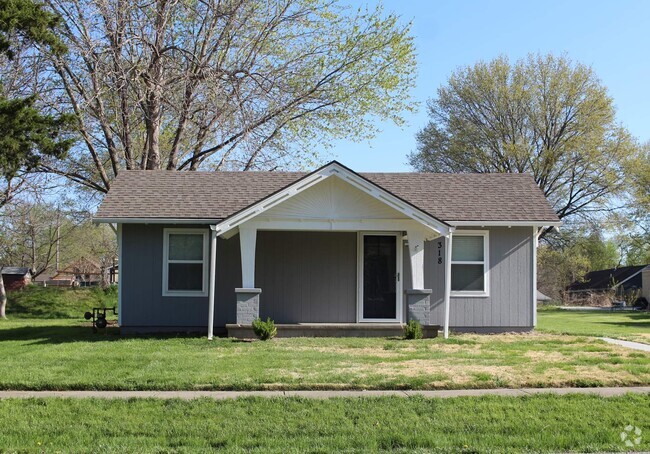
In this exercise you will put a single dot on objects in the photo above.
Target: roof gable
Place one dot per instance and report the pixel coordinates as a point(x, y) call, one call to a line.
point(382, 198)
point(333, 199)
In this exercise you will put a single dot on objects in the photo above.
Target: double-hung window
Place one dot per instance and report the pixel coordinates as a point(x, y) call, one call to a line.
point(185, 262)
point(469, 263)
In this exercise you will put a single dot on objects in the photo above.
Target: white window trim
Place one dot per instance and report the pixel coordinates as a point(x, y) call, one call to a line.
point(165, 280)
point(486, 265)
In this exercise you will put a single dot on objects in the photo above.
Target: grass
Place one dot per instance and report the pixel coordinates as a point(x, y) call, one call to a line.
point(65, 354)
point(634, 326)
point(542, 423)
point(58, 302)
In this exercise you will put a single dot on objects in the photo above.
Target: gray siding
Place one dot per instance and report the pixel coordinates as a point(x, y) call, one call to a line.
point(307, 276)
point(304, 277)
point(312, 277)
point(510, 300)
point(142, 302)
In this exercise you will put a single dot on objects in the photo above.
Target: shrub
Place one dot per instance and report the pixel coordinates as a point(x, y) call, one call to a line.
point(413, 330)
point(265, 330)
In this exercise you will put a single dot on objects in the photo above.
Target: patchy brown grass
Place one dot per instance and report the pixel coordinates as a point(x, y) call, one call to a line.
point(63, 355)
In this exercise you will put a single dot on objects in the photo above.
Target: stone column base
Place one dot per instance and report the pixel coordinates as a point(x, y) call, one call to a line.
point(248, 305)
point(419, 305)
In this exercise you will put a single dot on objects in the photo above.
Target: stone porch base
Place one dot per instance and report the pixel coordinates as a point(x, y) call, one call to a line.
point(331, 330)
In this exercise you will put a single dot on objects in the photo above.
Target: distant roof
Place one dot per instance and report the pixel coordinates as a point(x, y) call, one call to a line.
point(542, 297)
point(607, 279)
point(17, 270)
point(214, 196)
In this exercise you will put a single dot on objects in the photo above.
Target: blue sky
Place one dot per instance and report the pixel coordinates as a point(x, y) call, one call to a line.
point(611, 36)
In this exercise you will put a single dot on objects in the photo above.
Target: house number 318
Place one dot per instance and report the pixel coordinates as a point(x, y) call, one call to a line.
point(439, 252)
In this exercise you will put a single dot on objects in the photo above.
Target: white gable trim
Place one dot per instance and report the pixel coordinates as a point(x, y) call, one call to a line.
point(339, 171)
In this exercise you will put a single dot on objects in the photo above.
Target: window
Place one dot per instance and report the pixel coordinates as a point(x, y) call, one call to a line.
point(469, 263)
point(185, 262)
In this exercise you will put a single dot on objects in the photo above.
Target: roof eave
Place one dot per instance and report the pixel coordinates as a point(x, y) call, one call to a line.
point(505, 223)
point(144, 220)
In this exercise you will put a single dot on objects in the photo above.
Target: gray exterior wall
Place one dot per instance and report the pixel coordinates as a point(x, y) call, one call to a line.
point(312, 277)
point(510, 302)
point(307, 276)
point(304, 277)
point(142, 302)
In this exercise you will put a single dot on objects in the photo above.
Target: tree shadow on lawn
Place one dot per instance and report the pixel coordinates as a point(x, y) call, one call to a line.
point(56, 334)
point(636, 321)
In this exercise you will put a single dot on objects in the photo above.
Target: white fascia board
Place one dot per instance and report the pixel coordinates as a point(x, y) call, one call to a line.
point(333, 169)
point(153, 221)
point(504, 223)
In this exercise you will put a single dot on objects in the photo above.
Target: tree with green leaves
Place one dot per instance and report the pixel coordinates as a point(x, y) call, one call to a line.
point(632, 225)
point(27, 133)
point(218, 85)
point(544, 115)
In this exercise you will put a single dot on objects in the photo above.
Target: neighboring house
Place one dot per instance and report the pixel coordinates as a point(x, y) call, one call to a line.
point(16, 277)
point(331, 252)
point(82, 272)
point(624, 281)
point(541, 298)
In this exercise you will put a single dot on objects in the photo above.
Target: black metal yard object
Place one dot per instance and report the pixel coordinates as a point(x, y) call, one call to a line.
point(98, 315)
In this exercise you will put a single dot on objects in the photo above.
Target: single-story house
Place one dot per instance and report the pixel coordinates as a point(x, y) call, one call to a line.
point(83, 272)
point(329, 251)
point(624, 281)
point(16, 277)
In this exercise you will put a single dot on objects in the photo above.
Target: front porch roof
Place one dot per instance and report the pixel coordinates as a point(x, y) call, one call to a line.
point(356, 181)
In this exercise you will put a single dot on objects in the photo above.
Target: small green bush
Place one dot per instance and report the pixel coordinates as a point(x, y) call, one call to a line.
point(265, 330)
point(413, 330)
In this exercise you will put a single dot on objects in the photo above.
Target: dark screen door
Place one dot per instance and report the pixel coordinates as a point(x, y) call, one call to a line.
point(379, 276)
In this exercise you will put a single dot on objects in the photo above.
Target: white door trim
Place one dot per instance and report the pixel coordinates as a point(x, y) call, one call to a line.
point(399, 278)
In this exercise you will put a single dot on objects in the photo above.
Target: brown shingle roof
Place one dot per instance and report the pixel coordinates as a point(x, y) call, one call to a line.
point(217, 195)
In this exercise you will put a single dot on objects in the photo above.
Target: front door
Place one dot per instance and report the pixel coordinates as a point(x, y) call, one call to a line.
point(380, 275)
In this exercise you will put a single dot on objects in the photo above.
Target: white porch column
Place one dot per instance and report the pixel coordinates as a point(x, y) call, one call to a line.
point(213, 280)
point(448, 241)
point(416, 253)
point(536, 233)
point(247, 241)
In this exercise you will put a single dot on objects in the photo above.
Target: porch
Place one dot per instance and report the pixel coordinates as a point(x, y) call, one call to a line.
point(332, 330)
point(350, 240)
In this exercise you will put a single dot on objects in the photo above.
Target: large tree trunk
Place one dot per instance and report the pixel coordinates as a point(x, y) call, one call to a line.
point(3, 296)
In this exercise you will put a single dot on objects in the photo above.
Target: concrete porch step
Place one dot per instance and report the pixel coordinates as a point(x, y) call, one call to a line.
point(331, 330)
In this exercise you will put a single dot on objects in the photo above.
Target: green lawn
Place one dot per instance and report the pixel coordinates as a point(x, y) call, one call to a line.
point(65, 354)
point(57, 302)
point(542, 423)
point(633, 326)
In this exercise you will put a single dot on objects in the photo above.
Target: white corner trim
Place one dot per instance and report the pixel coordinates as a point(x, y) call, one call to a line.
point(485, 293)
point(337, 170)
point(165, 264)
point(447, 289)
point(120, 274)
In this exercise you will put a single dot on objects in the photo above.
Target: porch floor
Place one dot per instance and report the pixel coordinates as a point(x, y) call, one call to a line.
point(331, 330)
